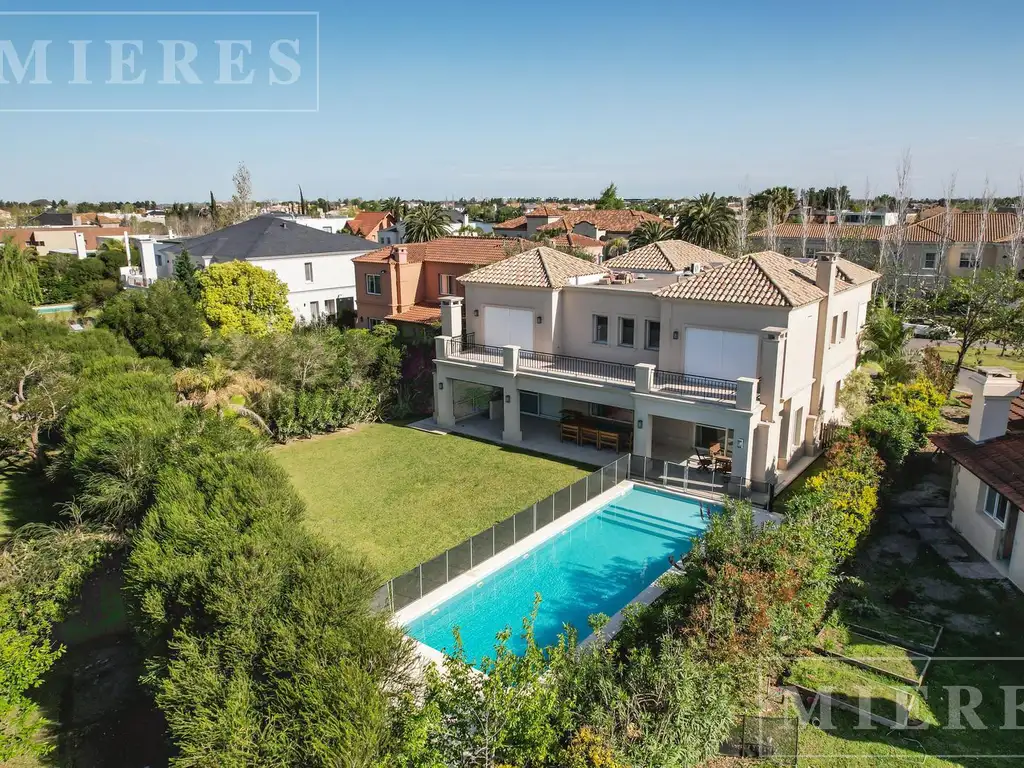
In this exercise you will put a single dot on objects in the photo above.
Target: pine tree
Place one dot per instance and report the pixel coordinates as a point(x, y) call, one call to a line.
point(214, 210)
point(185, 272)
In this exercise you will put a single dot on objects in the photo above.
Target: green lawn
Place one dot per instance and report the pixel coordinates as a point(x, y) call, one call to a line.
point(977, 357)
point(400, 497)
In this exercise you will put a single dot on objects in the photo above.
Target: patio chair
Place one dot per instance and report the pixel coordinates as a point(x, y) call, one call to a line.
point(589, 435)
point(704, 461)
point(608, 440)
point(570, 432)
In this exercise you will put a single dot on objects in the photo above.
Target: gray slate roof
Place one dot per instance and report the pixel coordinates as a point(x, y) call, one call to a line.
point(267, 237)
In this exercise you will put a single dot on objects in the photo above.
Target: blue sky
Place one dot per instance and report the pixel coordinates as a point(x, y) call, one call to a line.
point(533, 98)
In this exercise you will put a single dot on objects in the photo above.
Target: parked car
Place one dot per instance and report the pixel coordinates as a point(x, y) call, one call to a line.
point(926, 329)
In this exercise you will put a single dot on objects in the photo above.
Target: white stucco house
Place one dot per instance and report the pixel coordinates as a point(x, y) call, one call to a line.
point(395, 234)
point(314, 264)
point(745, 355)
point(987, 492)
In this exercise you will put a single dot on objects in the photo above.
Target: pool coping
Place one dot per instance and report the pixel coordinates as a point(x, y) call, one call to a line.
point(463, 581)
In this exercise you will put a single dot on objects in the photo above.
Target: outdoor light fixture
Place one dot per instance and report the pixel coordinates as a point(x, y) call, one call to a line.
point(476, 313)
point(675, 335)
point(639, 423)
point(540, 319)
point(508, 398)
point(440, 385)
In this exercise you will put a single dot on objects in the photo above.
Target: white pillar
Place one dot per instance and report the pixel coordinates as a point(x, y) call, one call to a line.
point(643, 430)
point(743, 452)
point(644, 378)
point(746, 394)
point(441, 347)
point(444, 401)
point(451, 316)
point(513, 430)
point(511, 358)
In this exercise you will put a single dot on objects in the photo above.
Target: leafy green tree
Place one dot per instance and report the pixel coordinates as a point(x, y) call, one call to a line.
point(162, 321)
point(855, 395)
point(892, 429)
point(610, 200)
point(426, 222)
point(187, 274)
point(884, 341)
point(975, 307)
point(706, 221)
point(396, 206)
point(18, 276)
point(238, 297)
point(648, 232)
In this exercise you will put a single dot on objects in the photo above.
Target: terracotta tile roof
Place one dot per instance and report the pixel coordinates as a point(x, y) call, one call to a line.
point(817, 231)
point(666, 256)
point(419, 313)
point(999, 463)
point(540, 267)
point(855, 273)
point(625, 220)
point(810, 273)
point(963, 229)
point(561, 237)
point(366, 222)
point(450, 250)
point(766, 279)
point(22, 235)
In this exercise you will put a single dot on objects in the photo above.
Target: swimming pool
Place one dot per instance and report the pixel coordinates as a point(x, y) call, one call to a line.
point(597, 565)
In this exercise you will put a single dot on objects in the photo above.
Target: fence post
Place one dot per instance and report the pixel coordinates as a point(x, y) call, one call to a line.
point(494, 545)
point(447, 578)
point(588, 487)
point(534, 518)
point(470, 551)
point(421, 579)
point(686, 475)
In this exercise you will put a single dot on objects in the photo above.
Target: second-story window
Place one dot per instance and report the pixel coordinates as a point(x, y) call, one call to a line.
point(835, 329)
point(600, 329)
point(846, 320)
point(627, 328)
point(652, 337)
point(373, 285)
point(929, 260)
point(309, 271)
point(967, 259)
point(446, 285)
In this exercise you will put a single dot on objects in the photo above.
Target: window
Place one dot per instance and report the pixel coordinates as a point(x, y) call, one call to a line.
point(652, 340)
point(929, 260)
point(329, 307)
point(627, 325)
point(600, 329)
point(446, 285)
point(373, 285)
point(835, 328)
point(529, 402)
point(997, 506)
point(314, 310)
point(846, 320)
point(309, 271)
point(159, 260)
point(708, 437)
point(798, 428)
point(967, 259)
point(372, 322)
point(611, 412)
point(839, 388)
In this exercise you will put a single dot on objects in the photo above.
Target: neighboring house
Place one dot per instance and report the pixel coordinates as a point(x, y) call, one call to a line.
point(395, 234)
point(675, 256)
point(599, 225)
point(368, 224)
point(333, 224)
point(927, 252)
point(747, 356)
point(315, 265)
point(404, 284)
point(987, 493)
point(51, 219)
point(77, 240)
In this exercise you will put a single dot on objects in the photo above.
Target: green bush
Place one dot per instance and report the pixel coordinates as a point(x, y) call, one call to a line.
point(162, 321)
point(892, 429)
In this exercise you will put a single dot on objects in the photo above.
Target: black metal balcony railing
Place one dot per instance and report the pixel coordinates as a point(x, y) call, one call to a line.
point(695, 386)
point(464, 346)
point(577, 366)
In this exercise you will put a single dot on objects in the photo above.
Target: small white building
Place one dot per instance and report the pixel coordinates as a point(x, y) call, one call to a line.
point(987, 492)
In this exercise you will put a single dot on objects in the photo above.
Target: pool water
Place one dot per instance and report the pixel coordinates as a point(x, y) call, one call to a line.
point(597, 565)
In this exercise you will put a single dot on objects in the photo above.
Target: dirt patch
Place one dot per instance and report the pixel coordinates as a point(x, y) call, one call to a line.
point(968, 624)
point(938, 590)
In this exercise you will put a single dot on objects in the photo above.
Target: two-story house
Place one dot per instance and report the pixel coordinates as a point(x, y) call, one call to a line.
point(368, 224)
point(598, 225)
point(315, 265)
point(747, 356)
point(404, 284)
point(987, 493)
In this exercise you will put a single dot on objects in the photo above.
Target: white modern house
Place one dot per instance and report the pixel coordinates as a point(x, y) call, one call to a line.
point(987, 492)
point(314, 264)
point(745, 356)
point(395, 235)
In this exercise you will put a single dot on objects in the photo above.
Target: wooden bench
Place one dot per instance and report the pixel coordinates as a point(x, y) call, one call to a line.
point(570, 432)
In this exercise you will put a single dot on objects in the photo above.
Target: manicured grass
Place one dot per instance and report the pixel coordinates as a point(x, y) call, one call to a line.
point(399, 496)
point(976, 357)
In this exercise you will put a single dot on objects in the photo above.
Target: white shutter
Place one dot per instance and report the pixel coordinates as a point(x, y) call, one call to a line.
point(520, 328)
point(739, 355)
point(495, 326)
point(504, 325)
point(720, 354)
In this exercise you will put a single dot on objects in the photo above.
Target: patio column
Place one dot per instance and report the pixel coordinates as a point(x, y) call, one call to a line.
point(444, 401)
point(511, 359)
point(441, 347)
point(643, 430)
point(743, 452)
point(644, 378)
point(513, 430)
point(773, 348)
point(746, 394)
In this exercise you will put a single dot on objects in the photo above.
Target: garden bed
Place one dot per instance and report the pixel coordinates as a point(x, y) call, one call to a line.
point(857, 690)
point(876, 655)
point(898, 628)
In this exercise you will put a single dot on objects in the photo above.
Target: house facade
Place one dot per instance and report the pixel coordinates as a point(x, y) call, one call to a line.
point(987, 491)
point(367, 224)
point(395, 234)
point(597, 225)
point(315, 265)
point(404, 284)
point(747, 356)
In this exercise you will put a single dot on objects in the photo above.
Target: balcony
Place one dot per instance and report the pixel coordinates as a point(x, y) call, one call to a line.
point(642, 378)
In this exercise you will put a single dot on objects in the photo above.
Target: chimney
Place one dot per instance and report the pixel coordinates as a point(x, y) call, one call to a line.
point(828, 268)
point(992, 389)
point(451, 316)
point(401, 254)
point(695, 268)
point(80, 250)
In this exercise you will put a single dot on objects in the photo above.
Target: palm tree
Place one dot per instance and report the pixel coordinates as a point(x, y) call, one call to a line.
point(396, 206)
point(213, 386)
point(616, 246)
point(648, 232)
point(884, 340)
point(706, 221)
point(427, 222)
